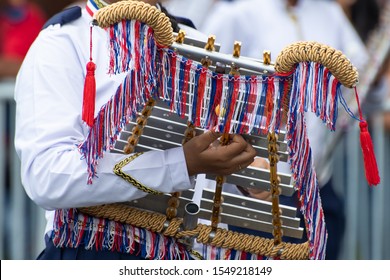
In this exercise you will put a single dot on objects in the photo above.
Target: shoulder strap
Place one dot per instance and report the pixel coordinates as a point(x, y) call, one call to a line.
point(64, 17)
point(175, 20)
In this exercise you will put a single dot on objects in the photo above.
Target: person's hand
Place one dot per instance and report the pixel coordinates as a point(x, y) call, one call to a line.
point(257, 193)
point(204, 154)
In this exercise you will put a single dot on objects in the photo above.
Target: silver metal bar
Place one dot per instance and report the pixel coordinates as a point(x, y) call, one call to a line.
point(248, 202)
point(244, 63)
point(190, 218)
point(257, 183)
point(240, 216)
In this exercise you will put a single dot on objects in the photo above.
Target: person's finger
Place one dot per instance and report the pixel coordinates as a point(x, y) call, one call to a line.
point(260, 162)
point(207, 138)
point(236, 146)
point(244, 158)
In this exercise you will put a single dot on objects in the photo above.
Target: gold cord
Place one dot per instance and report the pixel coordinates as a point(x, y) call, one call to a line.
point(118, 171)
point(226, 239)
point(143, 12)
point(337, 63)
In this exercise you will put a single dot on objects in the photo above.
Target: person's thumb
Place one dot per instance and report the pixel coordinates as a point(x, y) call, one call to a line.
point(208, 138)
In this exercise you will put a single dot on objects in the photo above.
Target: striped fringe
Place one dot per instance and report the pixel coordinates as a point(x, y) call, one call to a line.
point(138, 86)
point(216, 253)
point(233, 104)
point(240, 99)
point(314, 89)
point(73, 229)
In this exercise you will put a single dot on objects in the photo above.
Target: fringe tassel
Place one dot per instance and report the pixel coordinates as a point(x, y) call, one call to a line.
point(210, 252)
point(370, 165)
point(314, 89)
point(73, 230)
point(89, 95)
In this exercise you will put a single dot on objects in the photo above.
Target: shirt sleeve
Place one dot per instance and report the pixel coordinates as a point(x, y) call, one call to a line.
point(49, 128)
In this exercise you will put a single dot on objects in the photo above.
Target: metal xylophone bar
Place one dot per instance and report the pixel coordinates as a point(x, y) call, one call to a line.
point(195, 49)
point(165, 130)
point(237, 211)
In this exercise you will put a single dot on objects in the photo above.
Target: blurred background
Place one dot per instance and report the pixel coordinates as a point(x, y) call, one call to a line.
point(366, 224)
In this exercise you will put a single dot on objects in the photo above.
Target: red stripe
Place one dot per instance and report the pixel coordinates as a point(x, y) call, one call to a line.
point(201, 90)
point(89, 10)
point(173, 81)
point(269, 103)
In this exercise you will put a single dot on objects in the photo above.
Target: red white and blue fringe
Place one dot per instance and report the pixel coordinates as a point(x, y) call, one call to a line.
point(73, 230)
point(247, 105)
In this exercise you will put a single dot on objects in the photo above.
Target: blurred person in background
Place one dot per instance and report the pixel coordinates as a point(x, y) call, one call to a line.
point(366, 17)
point(272, 25)
point(20, 23)
point(196, 10)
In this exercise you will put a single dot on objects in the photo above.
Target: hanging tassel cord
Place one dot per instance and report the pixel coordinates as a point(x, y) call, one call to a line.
point(89, 89)
point(370, 163)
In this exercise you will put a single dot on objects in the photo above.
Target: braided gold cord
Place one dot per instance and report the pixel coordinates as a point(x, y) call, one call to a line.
point(220, 180)
point(118, 171)
point(275, 190)
point(138, 129)
point(337, 63)
point(140, 11)
point(223, 238)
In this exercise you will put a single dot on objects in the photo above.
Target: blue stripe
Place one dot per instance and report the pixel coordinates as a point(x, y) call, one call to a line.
point(94, 4)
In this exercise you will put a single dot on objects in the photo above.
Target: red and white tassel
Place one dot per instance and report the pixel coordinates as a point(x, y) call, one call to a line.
point(370, 164)
point(89, 90)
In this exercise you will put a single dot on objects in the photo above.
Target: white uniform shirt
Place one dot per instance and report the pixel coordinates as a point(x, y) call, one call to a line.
point(268, 25)
point(49, 94)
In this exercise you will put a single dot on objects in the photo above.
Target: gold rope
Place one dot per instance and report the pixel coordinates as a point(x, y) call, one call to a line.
point(140, 11)
point(227, 239)
point(337, 63)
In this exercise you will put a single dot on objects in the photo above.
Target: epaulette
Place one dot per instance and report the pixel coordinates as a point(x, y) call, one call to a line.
point(185, 21)
point(64, 17)
point(175, 20)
